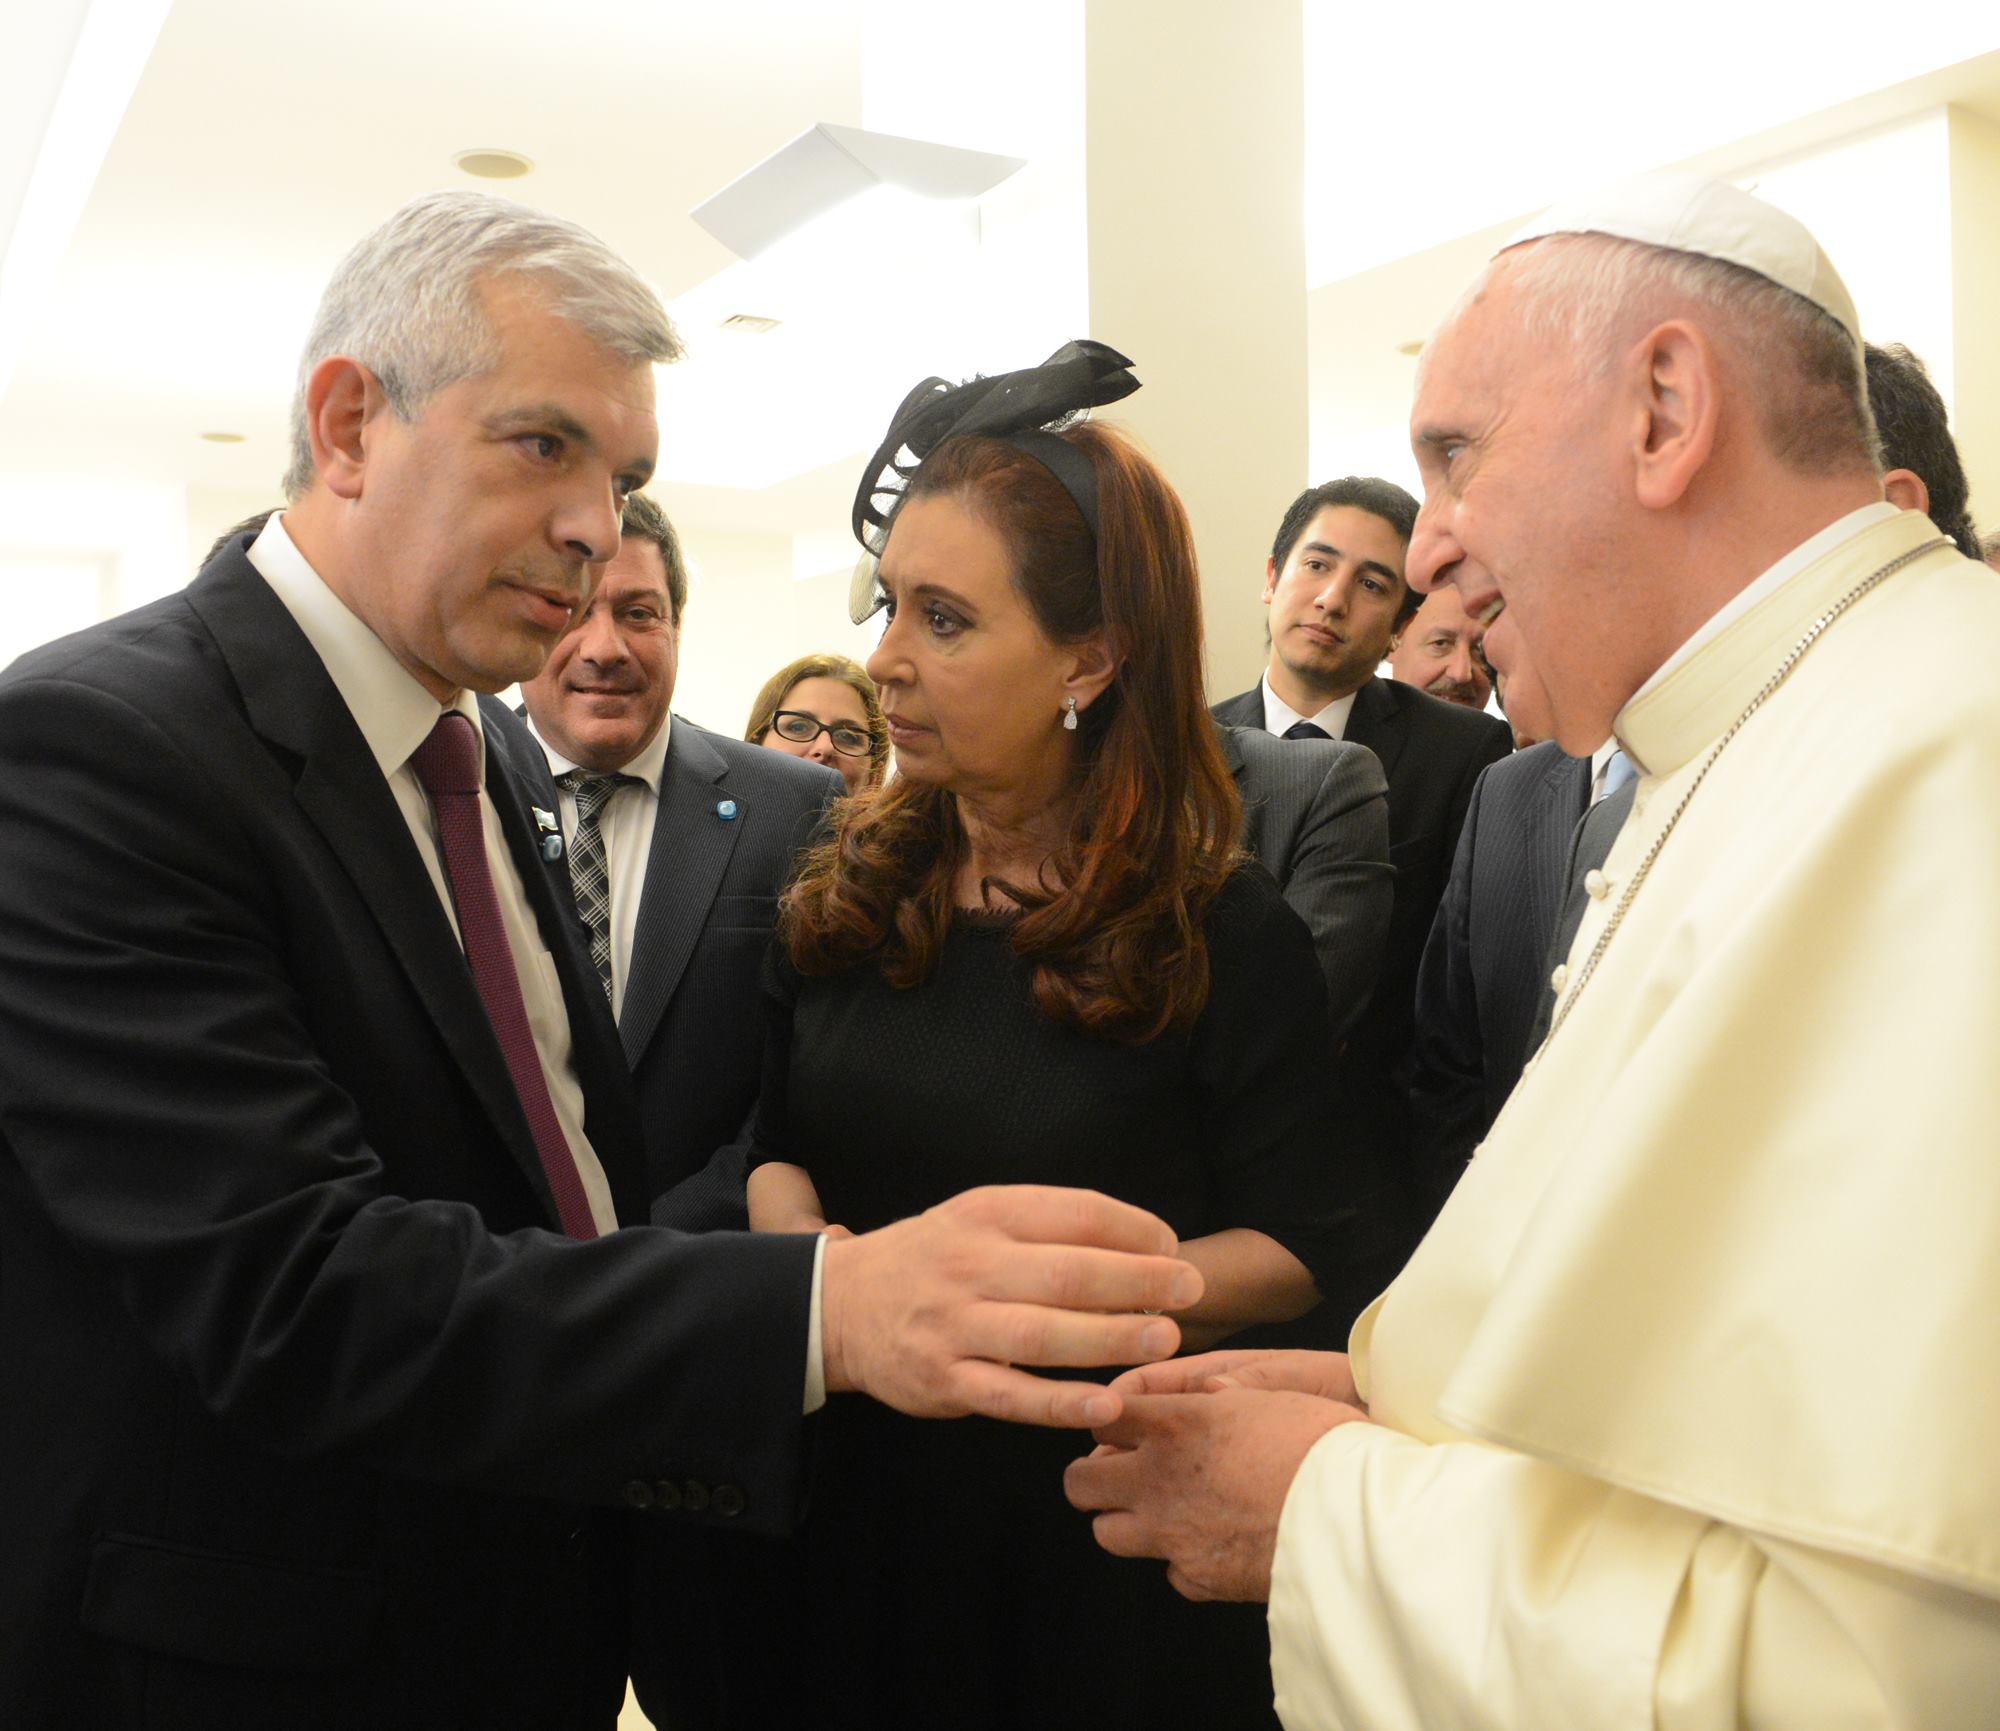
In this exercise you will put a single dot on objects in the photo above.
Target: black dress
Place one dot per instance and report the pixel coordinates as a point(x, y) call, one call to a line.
point(939, 1578)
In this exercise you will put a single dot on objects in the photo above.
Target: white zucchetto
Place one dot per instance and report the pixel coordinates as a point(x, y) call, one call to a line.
point(1710, 217)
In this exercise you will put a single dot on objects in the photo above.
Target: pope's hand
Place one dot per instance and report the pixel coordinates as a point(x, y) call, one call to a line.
point(932, 1314)
point(1326, 1374)
point(1200, 1480)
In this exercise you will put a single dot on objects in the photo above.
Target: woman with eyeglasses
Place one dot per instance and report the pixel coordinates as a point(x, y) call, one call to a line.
point(824, 707)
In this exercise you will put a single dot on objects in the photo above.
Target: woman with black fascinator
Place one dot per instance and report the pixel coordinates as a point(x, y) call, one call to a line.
point(1037, 956)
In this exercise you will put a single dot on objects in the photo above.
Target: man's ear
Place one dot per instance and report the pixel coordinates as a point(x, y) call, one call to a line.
point(1906, 490)
point(1092, 667)
point(342, 398)
point(1270, 579)
point(1675, 396)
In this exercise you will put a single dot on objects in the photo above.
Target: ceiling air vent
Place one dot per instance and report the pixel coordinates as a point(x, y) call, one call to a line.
point(749, 324)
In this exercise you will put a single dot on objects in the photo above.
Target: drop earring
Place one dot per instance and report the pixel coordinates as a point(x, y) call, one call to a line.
point(1069, 714)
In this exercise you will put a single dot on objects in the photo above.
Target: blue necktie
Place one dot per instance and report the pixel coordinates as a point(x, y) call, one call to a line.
point(1306, 730)
point(1618, 771)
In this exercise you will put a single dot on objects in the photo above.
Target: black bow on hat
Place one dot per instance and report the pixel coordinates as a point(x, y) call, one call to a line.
point(1025, 408)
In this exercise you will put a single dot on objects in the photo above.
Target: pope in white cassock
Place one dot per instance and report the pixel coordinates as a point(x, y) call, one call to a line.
point(1687, 1411)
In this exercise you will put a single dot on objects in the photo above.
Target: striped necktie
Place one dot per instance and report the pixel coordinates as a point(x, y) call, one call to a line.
point(589, 872)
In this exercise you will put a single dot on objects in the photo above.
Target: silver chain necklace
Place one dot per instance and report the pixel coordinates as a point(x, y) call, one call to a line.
point(1814, 632)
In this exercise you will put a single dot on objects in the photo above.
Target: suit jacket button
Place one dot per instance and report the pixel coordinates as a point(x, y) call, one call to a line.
point(694, 1497)
point(728, 1500)
point(667, 1496)
point(639, 1495)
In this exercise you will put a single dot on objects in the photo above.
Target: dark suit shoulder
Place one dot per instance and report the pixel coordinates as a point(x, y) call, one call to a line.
point(1522, 776)
point(750, 766)
point(1245, 709)
point(154, 650)
point(1446, 726)
point(1265, 762)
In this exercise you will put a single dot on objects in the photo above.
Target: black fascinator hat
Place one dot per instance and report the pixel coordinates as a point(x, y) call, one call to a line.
point(1025, 408)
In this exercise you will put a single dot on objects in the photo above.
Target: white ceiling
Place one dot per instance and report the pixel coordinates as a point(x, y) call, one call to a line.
point(266, 135)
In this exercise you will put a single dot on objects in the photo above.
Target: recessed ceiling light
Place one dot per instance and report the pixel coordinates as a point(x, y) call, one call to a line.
point(224, 438)
point(1415, 348)
point(749, 324)
point(494, 164)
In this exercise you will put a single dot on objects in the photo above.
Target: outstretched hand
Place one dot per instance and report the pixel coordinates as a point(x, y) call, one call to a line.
point(931, 1315)
point(1200, 1480)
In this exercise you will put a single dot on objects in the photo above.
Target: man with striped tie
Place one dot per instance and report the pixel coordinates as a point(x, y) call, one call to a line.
point(676, 844)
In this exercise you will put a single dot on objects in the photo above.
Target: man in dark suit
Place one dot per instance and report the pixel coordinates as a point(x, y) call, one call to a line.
point(323, 1359)
point(1335, 589)
point(675, 865)
point(1487, 963)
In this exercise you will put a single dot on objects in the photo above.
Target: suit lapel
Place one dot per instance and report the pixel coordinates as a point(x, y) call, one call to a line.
point(692, 847)
point(292, 704)
point(1377, 722)
point(1565, 799)
point(1245, 709)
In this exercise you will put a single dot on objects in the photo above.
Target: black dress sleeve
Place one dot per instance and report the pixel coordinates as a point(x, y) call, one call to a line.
point(771, 1130)
point(1271, 1126)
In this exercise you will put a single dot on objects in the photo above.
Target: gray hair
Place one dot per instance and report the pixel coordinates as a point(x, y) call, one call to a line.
point(405, 302)
point(1802, 365)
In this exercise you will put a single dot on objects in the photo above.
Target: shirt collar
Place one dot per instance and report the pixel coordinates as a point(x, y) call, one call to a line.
point(395, 713)
point(648, 766)
point(1280, 716)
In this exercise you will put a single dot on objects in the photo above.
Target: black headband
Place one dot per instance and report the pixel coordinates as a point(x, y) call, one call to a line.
point(1022, 408)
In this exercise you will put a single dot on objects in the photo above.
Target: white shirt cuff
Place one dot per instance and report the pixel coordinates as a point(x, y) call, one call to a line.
point(815, 1358)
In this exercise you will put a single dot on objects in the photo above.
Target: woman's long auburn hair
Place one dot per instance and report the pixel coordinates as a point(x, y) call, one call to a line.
point(1117, 946)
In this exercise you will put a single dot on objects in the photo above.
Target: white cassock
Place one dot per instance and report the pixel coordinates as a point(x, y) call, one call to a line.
point(1689, 1405)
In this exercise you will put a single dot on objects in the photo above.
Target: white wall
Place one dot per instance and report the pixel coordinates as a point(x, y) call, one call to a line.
point(747, 615)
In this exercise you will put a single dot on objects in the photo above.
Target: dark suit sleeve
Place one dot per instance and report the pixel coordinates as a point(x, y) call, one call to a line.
point(1340, 882)
point(165, 1098)
point(1447, 1070)
point(770, 1129)
point(1280, 1162)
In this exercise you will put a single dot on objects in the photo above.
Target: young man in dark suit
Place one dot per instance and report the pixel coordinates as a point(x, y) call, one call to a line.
point(675, 865)
point(326, 1358)
point(1337, 596)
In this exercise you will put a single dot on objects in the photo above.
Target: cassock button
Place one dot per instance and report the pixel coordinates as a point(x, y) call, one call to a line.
point(666, 1496)
point(1560, 978)
point(694, 1497)
point(639, 1494)
point(729, 1500)
point(1596, 885)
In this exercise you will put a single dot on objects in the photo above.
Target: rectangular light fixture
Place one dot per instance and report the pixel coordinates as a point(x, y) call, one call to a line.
point(827, 165)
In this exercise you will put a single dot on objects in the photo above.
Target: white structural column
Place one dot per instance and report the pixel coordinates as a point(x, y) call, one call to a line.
point(1975, 296)
point(1194, 169)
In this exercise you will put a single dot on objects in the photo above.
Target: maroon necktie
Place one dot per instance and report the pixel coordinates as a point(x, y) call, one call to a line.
point(447, 763)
